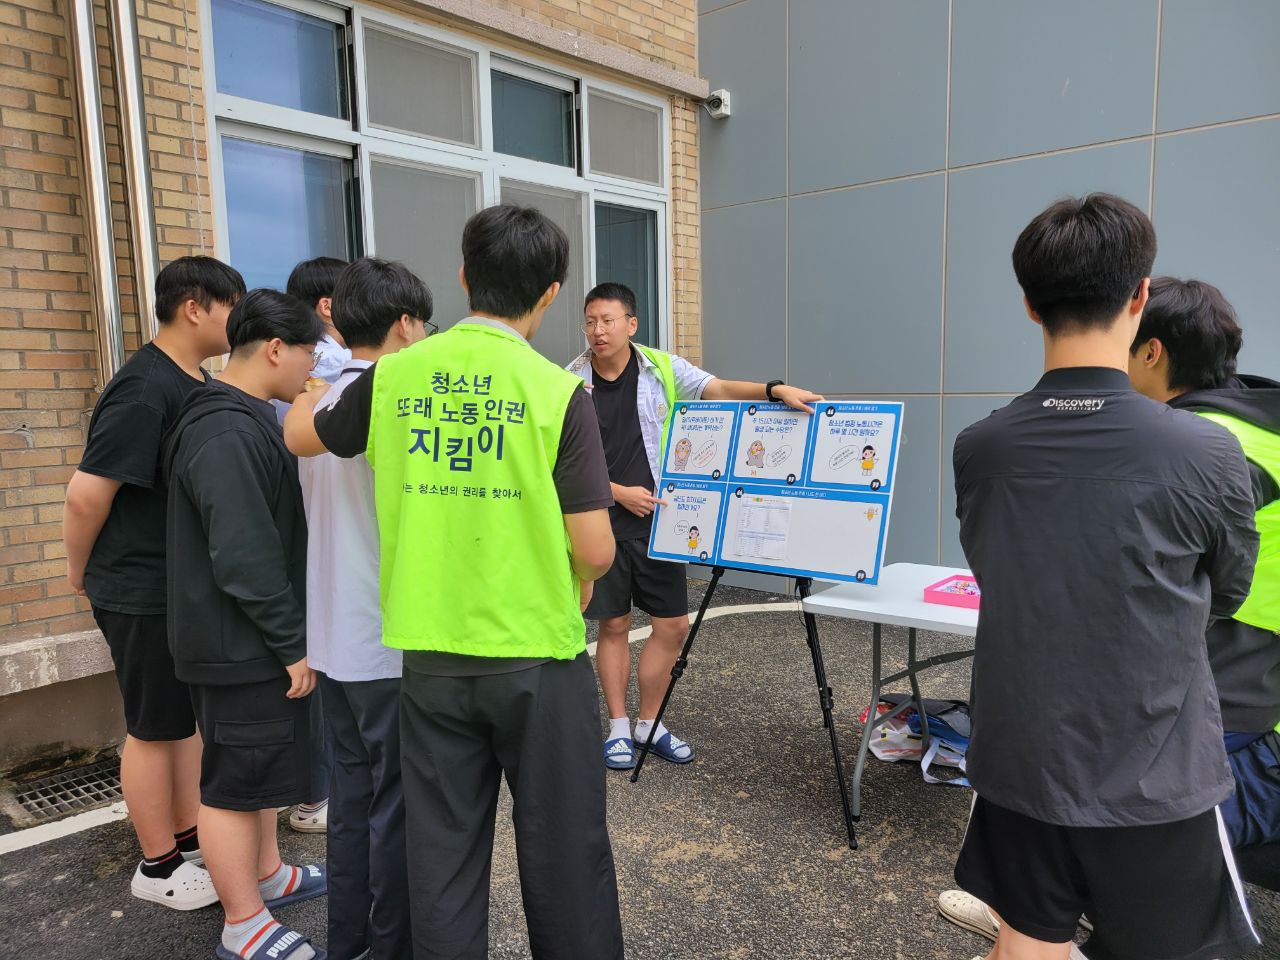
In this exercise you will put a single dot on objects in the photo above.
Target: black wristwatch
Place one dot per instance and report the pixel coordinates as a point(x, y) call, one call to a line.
point(768, 389)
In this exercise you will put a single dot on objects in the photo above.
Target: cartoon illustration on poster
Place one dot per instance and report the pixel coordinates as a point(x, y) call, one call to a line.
point(683, 448)
point(685, 529)
point(699, 440)
point(771, 444)
point(869, 459)
point(854, 445)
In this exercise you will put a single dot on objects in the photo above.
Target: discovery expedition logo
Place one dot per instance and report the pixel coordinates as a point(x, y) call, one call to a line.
point(1076, 404)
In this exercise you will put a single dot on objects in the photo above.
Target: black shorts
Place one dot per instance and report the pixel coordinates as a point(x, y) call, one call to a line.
point(1167, 891)
point(658, 587)
point(157, 705)
point(257, 745)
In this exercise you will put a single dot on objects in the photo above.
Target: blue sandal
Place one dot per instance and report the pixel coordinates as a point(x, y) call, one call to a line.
point(280, 945)
point(620, 753)
point(672, 749)
point(309, 882)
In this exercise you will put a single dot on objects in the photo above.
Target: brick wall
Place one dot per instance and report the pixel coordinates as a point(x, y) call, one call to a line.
point(662, 30)
point(686, 219)
point(47, 371)
point(173, 86)
point(48, 347)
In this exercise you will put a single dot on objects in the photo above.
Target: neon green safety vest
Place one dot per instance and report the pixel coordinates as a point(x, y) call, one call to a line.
point(463, 441)
point(667, 377)
point(1262, 607)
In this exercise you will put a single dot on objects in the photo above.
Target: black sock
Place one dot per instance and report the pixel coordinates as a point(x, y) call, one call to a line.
point(162, 867)
point(187, 841)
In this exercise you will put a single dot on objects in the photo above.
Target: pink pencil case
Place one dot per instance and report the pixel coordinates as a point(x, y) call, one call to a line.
point(955, 591)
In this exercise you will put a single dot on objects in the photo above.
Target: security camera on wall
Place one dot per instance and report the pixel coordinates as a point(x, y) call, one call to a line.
point(717, 104)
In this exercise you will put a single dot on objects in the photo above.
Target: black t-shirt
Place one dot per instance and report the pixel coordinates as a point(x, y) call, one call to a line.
point(624, 451)
point(126, 569)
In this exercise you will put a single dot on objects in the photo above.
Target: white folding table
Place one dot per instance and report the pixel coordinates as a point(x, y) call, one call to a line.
point(897, 600)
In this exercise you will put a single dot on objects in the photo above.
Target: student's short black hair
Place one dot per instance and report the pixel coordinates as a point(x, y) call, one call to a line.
point(613, 291)
point(202, 279)
point(371, 295)
point(264, 314)
point(1198, 329)
point(313, 279)
point(510, 256)
point(1082, 259)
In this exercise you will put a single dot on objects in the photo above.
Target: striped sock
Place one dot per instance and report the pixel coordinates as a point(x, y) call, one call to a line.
point(187, 840)
point(243, 937)
point(280, 882)
point(163, 866)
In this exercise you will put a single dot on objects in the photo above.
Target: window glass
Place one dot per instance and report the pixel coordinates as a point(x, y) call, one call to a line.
point(560, 337)
point(417, 87)
point(418, 216)
point(626, 138)
point(532, 120)
point(267, 53)
point(285, 205)
point(627, 253)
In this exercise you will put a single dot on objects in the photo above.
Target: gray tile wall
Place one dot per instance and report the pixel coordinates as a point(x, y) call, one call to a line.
point(860, 204)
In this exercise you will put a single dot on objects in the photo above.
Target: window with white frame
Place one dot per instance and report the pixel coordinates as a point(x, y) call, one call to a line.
point(339, 130)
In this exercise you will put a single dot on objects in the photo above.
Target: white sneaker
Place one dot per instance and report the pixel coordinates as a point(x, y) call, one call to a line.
point(965, 910)
point(190, 888)
point(195, 856)
point(316, 821)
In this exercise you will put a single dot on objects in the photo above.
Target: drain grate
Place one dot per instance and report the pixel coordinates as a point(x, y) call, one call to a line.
point(71, 791)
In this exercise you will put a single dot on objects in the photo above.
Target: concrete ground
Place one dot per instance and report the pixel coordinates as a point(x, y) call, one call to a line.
point(739, 855)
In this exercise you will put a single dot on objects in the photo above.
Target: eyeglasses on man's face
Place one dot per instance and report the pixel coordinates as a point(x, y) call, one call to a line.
point(604, 324)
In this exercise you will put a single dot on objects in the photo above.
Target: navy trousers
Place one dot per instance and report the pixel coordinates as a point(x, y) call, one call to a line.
point(368, 873)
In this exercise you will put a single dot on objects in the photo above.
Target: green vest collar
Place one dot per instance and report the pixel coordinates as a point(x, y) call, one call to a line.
point(496, 325)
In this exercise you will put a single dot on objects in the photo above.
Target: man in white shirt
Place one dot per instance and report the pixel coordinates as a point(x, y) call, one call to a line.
point(312, 281)
point(378, 308)
point(634, 388)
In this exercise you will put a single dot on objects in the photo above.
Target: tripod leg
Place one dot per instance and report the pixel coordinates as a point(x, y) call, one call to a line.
point(677, 669)
point(827, 701)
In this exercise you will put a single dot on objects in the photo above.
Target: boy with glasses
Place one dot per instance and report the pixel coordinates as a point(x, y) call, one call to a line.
point(237, 546)
point(634, 388)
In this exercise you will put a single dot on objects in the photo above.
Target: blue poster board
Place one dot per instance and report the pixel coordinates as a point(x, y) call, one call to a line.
point(759, 486)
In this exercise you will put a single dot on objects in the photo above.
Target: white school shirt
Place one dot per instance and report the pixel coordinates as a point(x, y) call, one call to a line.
point(344, 621)
point(651, 398)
